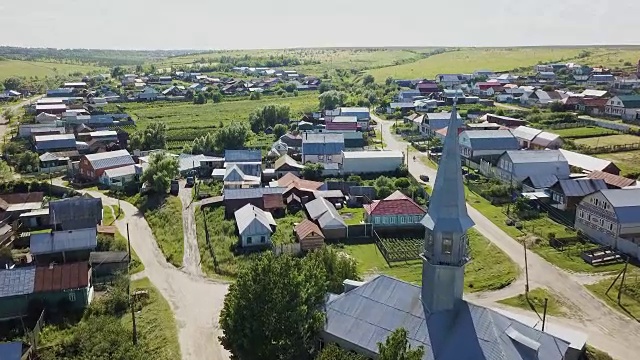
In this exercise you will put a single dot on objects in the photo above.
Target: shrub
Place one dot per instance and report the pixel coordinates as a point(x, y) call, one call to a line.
point(519, 225)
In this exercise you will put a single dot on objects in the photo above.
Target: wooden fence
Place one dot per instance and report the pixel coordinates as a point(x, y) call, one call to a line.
point(588, 150)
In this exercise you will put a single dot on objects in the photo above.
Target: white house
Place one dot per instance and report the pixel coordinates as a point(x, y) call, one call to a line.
point(255, 226)
point(624, 106)
point(121, 176)
point(518, 165)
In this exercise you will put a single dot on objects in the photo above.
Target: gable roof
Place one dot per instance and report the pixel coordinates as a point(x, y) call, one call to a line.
point(630, 101)
point(60, 241)
point(110, 159)
point(254, 217)
point(287, 160)
point(535, 156)
point(62, 277)
point(525, 132)
point(16, 282)
point(242, 156)
point(395, 204)
point(365, 316)
point(625, 202)
point(306, 228)
point(61, 141)
point(21, 200)
point(491, 139)
point(612, 180)
point(322, 211)
point(75, 208)
point(545, 138)
point(585, 162)
point(253, 193)
point(542, 181)
point(290, 180)
point(581, 187)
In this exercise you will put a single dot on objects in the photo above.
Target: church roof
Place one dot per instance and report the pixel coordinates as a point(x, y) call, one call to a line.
point(447, 205)
point(365, 316)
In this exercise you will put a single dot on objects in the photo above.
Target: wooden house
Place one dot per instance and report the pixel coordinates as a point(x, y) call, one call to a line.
point(309, 235)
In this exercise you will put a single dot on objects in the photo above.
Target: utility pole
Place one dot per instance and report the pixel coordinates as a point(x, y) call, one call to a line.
point(131, 298)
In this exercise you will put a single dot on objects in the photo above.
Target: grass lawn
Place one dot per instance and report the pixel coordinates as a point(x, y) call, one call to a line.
point(535, 302)
point(620, 139)
point(581, 132)
point(469, 60)
point(489, 269)
point(120, 242)
point(165, 219)
point(628, 162)
point(284, 228)
point(157, 328)
point(630, 299)
point(595, 354)
point(9, 68)
point(352, 216)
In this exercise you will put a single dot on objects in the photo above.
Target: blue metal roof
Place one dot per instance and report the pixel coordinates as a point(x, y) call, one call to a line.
point(18, 281)
point(59, 241)
point(235, 194)
point(322, 144)
point(492, 140)
point(365, 316)
point(11, 350)
point(625, 202)
point(49, 142)
point(242, 155)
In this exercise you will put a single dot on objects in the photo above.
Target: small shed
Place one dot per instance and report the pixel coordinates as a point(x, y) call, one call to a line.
point(106, 264)
point(309, 235)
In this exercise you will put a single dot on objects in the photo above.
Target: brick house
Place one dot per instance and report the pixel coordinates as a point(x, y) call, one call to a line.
point(92, 166)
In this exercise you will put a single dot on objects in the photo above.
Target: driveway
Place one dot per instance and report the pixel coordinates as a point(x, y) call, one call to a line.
point(195, 300)
point(607, 329)
point(191, 260)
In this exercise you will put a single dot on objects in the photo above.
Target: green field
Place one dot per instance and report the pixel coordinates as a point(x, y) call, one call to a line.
point(469, 60)
point(628, 162)
point(535, 301)
point(621, 139)
point(165, 221)
point(583, 132)
point(490, 268)
point(18, 68)
point(630, 299)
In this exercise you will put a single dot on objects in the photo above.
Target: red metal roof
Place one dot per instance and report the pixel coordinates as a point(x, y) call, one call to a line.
point(306, 228)
point(272, 201)
point(290, 180)
point(62, 277)
point(395, 204)
point(341, 126)
point(611, 179)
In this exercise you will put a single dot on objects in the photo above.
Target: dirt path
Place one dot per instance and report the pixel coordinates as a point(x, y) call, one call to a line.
point(195, 300)
point(607, 328)
point(191, 260)
point(4, 123)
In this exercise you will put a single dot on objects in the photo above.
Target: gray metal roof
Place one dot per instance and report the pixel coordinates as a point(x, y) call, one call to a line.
point(75, 208)
point(441, 116)
point(365, 316)
point(108, 257)
point(345, 119)
point(325, 213)
point(585, 162)
point(581, 187)
point(235, 194)
point(492, 140)
point(354, 110)
point(18, 281)
point(526, 133)
point(62, 141)
point(59, 241)
point(252, 220)
point(110, 159)
point(535, 156)
point(542, 181)
point(242, 155)
point(322, 144)
point(625, 202)
point(322, 138)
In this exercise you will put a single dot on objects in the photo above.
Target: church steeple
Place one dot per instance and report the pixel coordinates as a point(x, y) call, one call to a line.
point(446, 224)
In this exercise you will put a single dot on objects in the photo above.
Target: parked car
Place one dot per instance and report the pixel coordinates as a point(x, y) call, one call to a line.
point(191, 181)
point(424, 178)
point(175, 187)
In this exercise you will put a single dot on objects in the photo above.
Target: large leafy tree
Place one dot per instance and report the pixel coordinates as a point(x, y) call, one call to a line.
point(13, 83)
point(231, 137)
point(332, 99)
point(333, 352)
point(269, 115)
point(397, 347)
point(338, 267)
point(151, 138)
point(161, 170)
point(273, 310)
point(312, 171)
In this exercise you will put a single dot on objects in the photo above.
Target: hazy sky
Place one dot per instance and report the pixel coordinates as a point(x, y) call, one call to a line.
point(248, 24)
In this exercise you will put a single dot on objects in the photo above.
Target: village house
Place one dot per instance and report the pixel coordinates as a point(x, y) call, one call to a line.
point(58, 142)
point(427, 88)
point(592, 106)
point(517, 165)
point(309, 235)
point(624, 106)
point(601, 80)
point(405, 96)
point(265, 198)
point(486, 145)
point(324, 148)
point(371, 162)
point(63, 246)
point(255, 226)
point(362, 113)
point(92, 166)
point(531, 138)
point(395, 211)
point(611, 218)
point(235, 178)
point(425, 105)
point(327, 218)
point(107, 264)
point(148, 94)
point(342, 124)
point(504, 120)
point(118, 178)
point(431, 122)
point(486, 89)
point(286, 164)
point(13, 205)
point(293, 141)
point(403, 107)
point(75, 213)
point(9, 95)
point(567, 193)
point(449, 80)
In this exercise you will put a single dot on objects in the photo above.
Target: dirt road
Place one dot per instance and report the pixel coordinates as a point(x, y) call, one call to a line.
point(607, 329)
point(4, 123)
point(195, 300)
point(191, 260)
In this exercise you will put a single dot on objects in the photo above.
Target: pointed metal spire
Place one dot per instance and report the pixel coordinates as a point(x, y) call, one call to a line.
point(447, 206)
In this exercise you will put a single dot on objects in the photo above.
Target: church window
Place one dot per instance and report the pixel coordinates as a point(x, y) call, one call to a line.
point(447, 243)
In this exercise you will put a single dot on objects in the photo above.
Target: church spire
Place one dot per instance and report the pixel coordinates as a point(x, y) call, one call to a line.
point(446, 225)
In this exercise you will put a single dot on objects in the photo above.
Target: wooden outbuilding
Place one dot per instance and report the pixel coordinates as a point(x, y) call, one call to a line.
point(309, 235)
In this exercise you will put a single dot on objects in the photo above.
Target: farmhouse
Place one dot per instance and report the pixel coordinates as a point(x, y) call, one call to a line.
point(92, 166)
point(361, 162)
point(63, 246)
point(531, 138)
point(395, 211)
point(235, 178)
point(286, 164)
point(624, 106)
point(362, 113)
point(519, 164)
point(487, 145)
point(75, 213)
point(342, 124)
point(427, 88)
point(612, 218)
point(435, 313)
point(121, 176)
point(255, 226)
point(327, 217)
point(431, 122)
point(265, 198)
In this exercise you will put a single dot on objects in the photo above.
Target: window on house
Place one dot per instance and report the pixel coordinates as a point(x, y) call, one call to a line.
point(385, 220)
point(320, 157)
point(417, 218)
point(249, 240)
point(72, 296)
point(581, 214)
point(610, 226)
point(447, 243)
point(377, 220)
point(393, 219)
point(402, 220)
point(263, 239)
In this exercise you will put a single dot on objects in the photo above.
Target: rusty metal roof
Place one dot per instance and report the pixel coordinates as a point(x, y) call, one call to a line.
point(62, 277)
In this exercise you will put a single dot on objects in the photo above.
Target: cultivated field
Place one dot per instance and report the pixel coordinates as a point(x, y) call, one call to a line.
point(628, 162)
point(468, 60)
point(10, 68)
point(620, 139)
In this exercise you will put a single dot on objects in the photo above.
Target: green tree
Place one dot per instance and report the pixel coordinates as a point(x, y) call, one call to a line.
point(269, 116)
point(547, 88)
point(294, 290)
point(397, 347)
point(338, 267)
point(13, 83)
point(333, 352)
point(216, 97)
point(355, 178)
point(500, 112)
point(556, 106)
point(5, 172)
point(368, 79)
point(117, 72)
point(199, 99)
point(290, 87)
point(402, 183)
point(312, 171)
point(332, 99)
point(255, 96)
point(389, 81)
point(279, 130)
point(324, 87)
point(152, 138)
point(161, 170)
point(231, 137)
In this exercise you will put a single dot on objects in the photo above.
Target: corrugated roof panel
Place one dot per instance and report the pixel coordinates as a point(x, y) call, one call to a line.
point(62, 277)
point(110, 159)
point(18, 281)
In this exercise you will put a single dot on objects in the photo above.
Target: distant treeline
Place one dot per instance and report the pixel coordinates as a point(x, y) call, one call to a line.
point(108, 58)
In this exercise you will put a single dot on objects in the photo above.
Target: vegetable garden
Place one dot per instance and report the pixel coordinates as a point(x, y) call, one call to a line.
point(398, 249)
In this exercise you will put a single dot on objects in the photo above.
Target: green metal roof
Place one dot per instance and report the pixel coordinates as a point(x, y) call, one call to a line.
point(630, 101)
